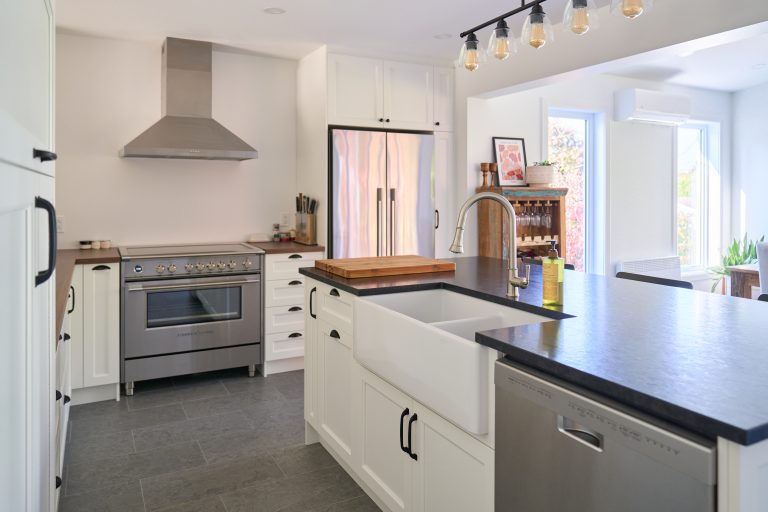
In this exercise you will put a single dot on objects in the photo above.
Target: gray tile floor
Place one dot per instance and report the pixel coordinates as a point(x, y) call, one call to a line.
point(215, 442)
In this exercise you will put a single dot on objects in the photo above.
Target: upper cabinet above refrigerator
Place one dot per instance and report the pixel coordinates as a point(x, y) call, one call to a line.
point(374, 93)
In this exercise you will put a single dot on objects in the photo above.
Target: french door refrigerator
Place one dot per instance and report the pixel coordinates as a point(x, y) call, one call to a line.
point(381, 193)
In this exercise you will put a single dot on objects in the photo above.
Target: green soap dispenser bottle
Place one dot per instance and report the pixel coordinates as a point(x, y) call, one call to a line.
point(553, 271)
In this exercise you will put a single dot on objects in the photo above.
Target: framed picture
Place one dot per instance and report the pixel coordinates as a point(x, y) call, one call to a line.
point(510, 157)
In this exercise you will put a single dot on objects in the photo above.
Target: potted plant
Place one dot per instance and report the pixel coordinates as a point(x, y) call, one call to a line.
point(540, 173)
point(740, 252)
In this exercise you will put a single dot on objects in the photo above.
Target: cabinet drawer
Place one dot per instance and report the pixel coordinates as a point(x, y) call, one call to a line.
point(286, 266)
point(284, 319)
point(335, 307)
point(284, 345)
point(285, 292)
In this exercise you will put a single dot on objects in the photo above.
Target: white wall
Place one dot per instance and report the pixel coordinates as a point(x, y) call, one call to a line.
point(108, 91)
point(638, 158)
point(750, 162)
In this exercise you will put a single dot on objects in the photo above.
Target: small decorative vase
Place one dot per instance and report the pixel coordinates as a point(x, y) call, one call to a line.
point(542, 175)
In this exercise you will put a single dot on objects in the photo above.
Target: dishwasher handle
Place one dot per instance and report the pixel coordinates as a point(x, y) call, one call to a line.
point(580, 433)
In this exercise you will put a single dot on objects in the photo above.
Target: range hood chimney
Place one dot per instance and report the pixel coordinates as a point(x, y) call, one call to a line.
point(187, 129)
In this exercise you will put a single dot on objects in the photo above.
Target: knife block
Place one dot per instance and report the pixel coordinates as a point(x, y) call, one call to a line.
point(306, 228)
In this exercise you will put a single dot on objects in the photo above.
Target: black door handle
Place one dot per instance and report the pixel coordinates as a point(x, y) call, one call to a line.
point(335, 292)
point(46, 274)
point(381, 119)
point(294, 309)
point(43, 155)
point(72, 289)
point(295, 335)
point(67, 337)
point(58, 395)
point(387, 120)
point(310, 302)
point(410, 428)
point(67, 399)
point(58, 482)
point(437, 123)
point(335, 334)
point(294, 257)
point(102, 267)
point(402, 420)
point(294, 283)
point(437, 219)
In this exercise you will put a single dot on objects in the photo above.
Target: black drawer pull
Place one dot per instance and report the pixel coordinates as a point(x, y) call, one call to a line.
point(102, 267)
point(58, 482)
point(67, 337)
point(46, 274)
point(410, 428)
point(294, 257)
point(335, 334)
point(43, 155)
point(59, 337)
point(72, 289)
point(311, 311)
point(67, 399)
point(58, 395)
point(295, 283)
point(402, 420)
point(334, 292)
point(295, 335)
point(294, 309)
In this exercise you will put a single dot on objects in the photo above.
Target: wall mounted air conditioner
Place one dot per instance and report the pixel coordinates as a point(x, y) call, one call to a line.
point(654, 107)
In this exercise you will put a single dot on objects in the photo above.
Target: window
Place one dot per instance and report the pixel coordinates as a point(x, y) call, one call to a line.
point(572, 142)
point(693, 184)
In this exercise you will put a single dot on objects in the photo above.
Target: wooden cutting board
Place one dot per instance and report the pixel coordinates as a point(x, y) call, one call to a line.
point(353, 268)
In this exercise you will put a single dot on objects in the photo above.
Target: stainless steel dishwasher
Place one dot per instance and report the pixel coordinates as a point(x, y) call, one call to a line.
point(560, 451)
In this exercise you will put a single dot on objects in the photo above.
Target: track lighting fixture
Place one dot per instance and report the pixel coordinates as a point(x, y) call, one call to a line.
point(501, 45)
point(537, 29)
point(472, 54)
point(580, 16)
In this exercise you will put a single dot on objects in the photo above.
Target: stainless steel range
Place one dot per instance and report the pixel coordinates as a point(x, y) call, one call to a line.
point(188, 309)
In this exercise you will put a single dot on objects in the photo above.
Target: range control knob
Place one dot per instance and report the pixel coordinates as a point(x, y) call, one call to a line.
point(200, 267)
point(211, 266)
point(232, 264)
point(189, 267)
point(172, 268)
point(247, 263)
point(160, 269)
point(222, 265)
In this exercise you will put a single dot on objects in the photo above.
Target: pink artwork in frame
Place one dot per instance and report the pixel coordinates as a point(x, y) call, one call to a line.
point(511, 160)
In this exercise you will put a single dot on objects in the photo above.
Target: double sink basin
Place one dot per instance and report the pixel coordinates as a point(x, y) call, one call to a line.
point(423, 343)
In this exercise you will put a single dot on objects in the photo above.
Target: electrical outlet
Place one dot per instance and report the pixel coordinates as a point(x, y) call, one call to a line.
point(285, 219)
point(59, 223)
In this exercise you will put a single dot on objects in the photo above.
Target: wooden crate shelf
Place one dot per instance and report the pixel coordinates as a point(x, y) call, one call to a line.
point(492, 221)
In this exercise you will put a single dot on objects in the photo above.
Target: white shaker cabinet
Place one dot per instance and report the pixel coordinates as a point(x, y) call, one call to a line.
point(101, 324)
point(408, 96)
point(444, 93)
point(354, 91)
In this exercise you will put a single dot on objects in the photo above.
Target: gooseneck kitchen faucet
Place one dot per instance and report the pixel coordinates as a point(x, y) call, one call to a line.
point(514, 282)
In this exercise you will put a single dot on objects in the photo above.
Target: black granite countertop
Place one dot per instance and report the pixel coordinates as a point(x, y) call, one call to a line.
point(693, 359)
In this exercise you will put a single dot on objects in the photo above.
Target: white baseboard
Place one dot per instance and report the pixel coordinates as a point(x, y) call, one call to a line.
point(282, 366)
point(96, 394)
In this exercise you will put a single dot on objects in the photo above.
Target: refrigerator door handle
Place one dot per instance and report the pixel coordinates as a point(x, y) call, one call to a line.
point(379, 202)
point(392, 217)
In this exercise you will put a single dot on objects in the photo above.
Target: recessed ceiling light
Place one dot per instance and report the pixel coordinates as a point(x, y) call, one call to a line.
point(443, 36)
point(274, 10)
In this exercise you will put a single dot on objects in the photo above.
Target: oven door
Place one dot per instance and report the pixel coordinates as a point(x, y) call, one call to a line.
point(180, 315)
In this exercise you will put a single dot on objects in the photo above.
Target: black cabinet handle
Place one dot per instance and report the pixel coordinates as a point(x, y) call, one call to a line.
point(294, 308)
point(295, 283)
point(387, 120)
point(102, 267)
point(58, 395)
point(410, 428)
point(437, 219)
point(67, 337)
point(437, 123)
point(334, 292)
point(58, 482)
point(311, 293)
point(381, 119)
point(43, 155)
point(294, 257)
point(72, 289)
point(335, 334)
point(295, 335)
point(46, 274)
point(67, 399)
point(402, 426)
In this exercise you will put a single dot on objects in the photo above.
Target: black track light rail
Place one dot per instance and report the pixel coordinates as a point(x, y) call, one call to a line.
point(523, 7)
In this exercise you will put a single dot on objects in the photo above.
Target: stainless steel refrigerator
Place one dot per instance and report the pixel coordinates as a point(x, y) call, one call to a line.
point(382, 194)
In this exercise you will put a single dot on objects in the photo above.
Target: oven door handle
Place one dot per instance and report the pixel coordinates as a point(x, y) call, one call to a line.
point(192, 286)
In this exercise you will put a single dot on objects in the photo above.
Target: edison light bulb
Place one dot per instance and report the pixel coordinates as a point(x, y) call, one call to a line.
point(632, 8)
point(472, 55)
point(580, 21)
point(538, 36)
point(537, 29)
point(471, 60)
point(580, 16)
point(500, 46)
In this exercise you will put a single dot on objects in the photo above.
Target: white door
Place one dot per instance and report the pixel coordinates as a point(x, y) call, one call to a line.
point(76, 328)
point(443, 99)
point(335, 389)
point(455, 471)
point(101, 324)
point(408, 96)
point(443, 193)
point(354, 91)
point(311, 354)
point(384, 465)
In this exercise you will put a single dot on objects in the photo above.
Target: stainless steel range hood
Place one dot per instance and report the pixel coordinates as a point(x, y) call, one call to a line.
point(187, 129)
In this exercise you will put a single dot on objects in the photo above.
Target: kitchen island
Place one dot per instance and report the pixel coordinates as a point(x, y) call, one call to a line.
point(670, 354)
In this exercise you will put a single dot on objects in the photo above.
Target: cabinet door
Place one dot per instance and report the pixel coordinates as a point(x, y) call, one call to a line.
point(443, 193)
point(384, 466)
point(101, 324)
point(26, 93)
point(444, 99)
point(455, 471)
point(336, 372)
point(76, 328)
point(408, 96)
point(311, 354)
point(354, 91)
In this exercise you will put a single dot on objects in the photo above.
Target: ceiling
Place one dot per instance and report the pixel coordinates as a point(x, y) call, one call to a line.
point(394, 28)
point(729, 67)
